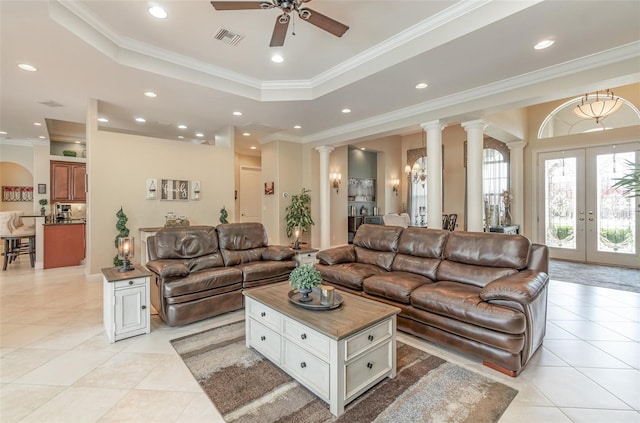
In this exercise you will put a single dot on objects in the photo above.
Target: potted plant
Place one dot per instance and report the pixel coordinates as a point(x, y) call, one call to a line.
point(298, 213)
point(304, 279)
point(631, 181)
point(43, 202)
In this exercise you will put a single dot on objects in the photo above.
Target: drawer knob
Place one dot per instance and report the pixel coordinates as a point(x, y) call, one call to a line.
point(130, 282)
point(144, 307)
point(303, 336)
point(263, 314)
point(370, 337)
point(303, 365)
point(370, 365)
point(263, 338)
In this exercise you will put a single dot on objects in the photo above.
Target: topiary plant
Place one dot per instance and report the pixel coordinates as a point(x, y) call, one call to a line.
point(123, 231)
point(223, 215)
point(305, 277)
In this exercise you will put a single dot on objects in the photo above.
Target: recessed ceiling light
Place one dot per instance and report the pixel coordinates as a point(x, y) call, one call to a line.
point(297, 127)
point(246, 134)
point(253, 147)
point(362, 148)
point(27, 67)
point(141, 120)
point(180, 137)
point(346, 110)
point(151, 94)
point(182, 126)
point(157, 12)
point(41, 137)
point(3, 132)
point(276, 58)
point(544, 44)
point(37, 123)
point(103, 119)
point(237, 113)
point(77, 142)
point(422, 86)
point(199, 134)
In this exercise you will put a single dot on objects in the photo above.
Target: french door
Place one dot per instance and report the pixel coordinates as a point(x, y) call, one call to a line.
point(581, 216)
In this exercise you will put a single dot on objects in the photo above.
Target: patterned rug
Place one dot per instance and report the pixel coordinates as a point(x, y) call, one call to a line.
point(246, 387)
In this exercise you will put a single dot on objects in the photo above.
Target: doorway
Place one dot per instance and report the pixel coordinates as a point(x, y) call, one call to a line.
point(581, 216)
point(250, 194)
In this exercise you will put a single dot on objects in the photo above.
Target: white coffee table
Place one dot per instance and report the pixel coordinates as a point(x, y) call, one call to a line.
point(337, 354)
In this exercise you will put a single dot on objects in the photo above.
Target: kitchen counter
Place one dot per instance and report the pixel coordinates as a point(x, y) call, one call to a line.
point(64, 244)
point(65, 222)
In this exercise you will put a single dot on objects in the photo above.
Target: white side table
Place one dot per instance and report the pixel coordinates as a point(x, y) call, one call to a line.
point(305, 256)
point(126, 302)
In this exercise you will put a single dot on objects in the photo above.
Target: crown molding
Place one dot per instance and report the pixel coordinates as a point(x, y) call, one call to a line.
point(23, 142)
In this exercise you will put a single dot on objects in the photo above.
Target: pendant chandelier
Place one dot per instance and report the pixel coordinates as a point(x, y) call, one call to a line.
point(418, 172)
point(597, 105)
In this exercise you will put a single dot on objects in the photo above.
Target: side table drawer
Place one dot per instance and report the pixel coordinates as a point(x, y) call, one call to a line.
point(264, 340)
point(126, 283)
point(307, 338)
point(367, 369)
point(367, 338)
point(264, 314)
point(307, 368)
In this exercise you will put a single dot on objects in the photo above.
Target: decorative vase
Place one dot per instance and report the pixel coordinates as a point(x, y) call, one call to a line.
point(42, 211)
point(305, 295)
point(507, 216)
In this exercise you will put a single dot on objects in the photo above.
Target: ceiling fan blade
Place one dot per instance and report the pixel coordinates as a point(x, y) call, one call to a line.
point(280, 31)
point(323, 22)
point(240, 5)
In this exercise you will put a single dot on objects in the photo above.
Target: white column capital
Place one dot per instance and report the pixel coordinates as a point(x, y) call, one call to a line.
point(474, 124)
point(434, 124)
point(516, 145)
point(325, 149)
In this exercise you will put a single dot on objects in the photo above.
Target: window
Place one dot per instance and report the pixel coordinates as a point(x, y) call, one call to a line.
point(495, 180)
point(417, 182)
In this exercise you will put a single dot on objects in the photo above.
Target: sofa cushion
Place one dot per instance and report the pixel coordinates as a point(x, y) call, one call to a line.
point(377, 258)
point(423, 266)
point(462, 302)
point(278, 252)
point(242, 236)
point(423, 242)
point(396, 286)
point(168, 268)
point(185, 242)
point(265, 269)
point(203, 281)
point(337, 255)
point(485, 249)
point(236, 257)
point(349, 275)
point(205, 262)
point(377, 237)
point(479, 276)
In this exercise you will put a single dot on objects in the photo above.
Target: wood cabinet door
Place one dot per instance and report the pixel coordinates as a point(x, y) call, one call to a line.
point(60, 181)
point(79, 183)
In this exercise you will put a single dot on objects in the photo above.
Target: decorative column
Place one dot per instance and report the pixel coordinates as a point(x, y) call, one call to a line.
point(325, 202)
point(516, 174)
point(434, 173)
point(475, 143)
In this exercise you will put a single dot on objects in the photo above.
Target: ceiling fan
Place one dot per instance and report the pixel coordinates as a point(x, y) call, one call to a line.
point(282, 22)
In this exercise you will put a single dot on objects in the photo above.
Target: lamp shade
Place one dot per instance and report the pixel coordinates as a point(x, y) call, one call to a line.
point(125, 248)
point(598, 105)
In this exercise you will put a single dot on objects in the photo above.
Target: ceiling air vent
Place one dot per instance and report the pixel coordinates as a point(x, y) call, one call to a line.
point(228, 37)
point(50, 103)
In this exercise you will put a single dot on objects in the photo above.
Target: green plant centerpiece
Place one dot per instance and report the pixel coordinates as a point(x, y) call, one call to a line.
point(224, 215)
point(43, 202)
point(304, 279)
point(298, 214)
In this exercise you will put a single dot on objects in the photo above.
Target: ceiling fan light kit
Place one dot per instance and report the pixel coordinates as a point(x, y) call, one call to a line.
point(282, 21)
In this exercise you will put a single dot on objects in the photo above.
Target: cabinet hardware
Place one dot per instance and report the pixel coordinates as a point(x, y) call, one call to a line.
point(130, 282)
point(303, 364)
point(144, 307)
point(370, 365)
point(263, 314)
point(370, 337)
point(303, 336)
point(263, 338)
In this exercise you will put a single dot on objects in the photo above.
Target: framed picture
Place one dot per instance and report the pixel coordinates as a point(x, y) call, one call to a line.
point(172, 189)
point(269, 188)
point(42, 188)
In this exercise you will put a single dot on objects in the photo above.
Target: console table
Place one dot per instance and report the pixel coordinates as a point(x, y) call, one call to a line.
point(510, 229)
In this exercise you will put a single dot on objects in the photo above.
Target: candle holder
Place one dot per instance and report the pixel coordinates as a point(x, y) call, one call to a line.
point(125, 253)
point(296, 240)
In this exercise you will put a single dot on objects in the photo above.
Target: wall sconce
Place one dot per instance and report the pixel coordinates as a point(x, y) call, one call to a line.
point(396, 185)
point(151, 188)
point(336, 181)
point(125, 253)
point(195, 190)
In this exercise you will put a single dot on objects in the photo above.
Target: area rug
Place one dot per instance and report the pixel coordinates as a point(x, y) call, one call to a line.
point(246, 387)
point(621, 278)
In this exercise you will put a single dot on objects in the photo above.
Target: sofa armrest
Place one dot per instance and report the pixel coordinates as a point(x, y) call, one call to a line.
point(167, 268)
point(278, 253)
point(522, 287)
point(337, 255)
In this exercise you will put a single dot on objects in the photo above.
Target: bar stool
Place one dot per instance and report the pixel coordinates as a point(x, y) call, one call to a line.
point(13, 239)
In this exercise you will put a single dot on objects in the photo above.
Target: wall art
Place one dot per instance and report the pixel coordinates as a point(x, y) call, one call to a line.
point(173, 189)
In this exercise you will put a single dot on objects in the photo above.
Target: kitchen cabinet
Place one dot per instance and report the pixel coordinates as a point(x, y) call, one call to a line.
point(126, 302)
point(63, 244)
point(68, 183)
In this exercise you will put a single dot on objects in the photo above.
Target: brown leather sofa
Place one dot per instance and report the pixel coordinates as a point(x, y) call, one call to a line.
point(480, 293)
point(200, 271)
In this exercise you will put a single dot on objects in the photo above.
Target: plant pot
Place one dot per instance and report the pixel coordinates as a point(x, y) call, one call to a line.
point(305, 295)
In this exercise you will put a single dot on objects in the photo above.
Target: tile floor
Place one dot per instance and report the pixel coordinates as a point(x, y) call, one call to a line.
point(56, 364)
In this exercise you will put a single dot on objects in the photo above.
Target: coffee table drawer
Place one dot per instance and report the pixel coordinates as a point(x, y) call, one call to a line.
point(368, 369)
point(367, 338)
point(264, 340)
point(264, 314)
point(306, 367)
point(307, 338)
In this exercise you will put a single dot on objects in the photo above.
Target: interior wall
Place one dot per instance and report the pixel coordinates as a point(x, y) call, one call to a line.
point(118, 167)
point(14, 174)
point(339, 163)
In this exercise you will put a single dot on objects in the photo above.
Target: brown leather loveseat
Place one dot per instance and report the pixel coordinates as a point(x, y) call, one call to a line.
point(480, 293)
point(200, 271)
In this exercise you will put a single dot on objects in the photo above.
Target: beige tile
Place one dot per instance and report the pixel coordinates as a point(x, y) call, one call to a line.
point(630, 330)
point(627, 352)
point(77, 405)
point(17, 336)
point(18, 401)
point(149, 406)
point(556, 332)
point(123, 371)
point(66, 369)
point(516, 414)
point(530, 396)
point(582, 354)
point(200, 410)
point(21, 362)
point(593, 331)
point(586, 415)
point(624, 384)
point(170, 375)
point(67, 338)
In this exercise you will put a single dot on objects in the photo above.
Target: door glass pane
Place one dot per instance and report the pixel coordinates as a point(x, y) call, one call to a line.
point(418, 203)
point(495, 180)
point(615, 214)
point(560, 202)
